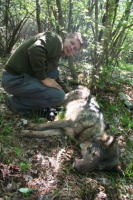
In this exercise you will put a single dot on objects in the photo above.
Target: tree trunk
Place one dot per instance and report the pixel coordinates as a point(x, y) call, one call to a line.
point(38, 9)
point(70, 29)
point(60, 18)
point(70, 19)
point(72, 69)
point(50, 23)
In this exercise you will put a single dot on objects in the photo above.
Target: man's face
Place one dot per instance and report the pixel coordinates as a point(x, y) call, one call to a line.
point(70, 46)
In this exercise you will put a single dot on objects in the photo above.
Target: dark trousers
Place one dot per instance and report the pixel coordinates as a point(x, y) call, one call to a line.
point(29, 93)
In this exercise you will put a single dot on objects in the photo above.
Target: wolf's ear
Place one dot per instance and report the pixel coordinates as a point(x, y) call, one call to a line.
point(106, 141)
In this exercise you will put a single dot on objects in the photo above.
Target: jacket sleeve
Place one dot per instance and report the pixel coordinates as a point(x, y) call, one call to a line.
point(44, 54)
point(38, 55)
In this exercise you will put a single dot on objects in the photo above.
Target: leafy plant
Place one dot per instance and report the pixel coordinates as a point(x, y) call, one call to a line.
point(126, 121)
point(56, 192)
point(37, 117)
point(18, 151)
point(26, 191)
point(129, 145)
point(62, 113)
point(24, 166)
point(129, 169)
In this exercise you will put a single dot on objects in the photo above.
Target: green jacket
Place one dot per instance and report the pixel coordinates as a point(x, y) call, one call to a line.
point(36, 56)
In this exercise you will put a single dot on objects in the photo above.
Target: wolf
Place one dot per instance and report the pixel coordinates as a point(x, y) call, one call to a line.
point(83, 122)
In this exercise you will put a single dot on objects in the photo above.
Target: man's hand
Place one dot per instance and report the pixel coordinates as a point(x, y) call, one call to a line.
point(49, 82)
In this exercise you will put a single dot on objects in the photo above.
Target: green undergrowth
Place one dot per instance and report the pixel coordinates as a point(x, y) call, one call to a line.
point(117, 115)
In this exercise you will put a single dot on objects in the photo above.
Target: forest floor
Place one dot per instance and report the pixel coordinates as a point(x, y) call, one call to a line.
point(42, 169)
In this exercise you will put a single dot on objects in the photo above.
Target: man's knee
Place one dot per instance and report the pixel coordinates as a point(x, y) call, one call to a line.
point(57, 96)
point(61, 95)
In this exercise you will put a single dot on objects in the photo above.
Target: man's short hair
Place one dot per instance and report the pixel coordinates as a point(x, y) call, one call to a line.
point(76, 35)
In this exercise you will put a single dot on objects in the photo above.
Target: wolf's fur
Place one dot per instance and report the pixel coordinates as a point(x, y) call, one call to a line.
point(83, 120)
